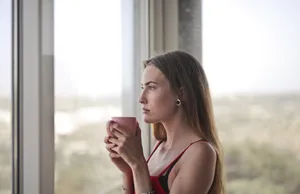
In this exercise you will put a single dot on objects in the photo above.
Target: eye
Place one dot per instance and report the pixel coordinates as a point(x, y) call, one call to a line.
point(151, 87)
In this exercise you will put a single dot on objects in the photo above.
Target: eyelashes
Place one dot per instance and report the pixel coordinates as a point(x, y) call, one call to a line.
point(149, 87)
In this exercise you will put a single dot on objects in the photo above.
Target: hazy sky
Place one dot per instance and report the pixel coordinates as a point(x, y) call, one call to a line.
point(252, 45)
point(248, 46)
point(5, 47)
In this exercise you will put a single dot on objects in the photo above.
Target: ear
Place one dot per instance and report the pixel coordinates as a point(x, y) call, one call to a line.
point(181, 92)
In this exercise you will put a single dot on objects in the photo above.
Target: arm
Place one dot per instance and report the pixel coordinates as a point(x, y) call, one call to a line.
point(197, 170)
point(129, 147)
point(141, 177)
point(127, 184)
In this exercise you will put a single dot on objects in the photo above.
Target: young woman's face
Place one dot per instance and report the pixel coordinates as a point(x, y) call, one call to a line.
point(157, 98)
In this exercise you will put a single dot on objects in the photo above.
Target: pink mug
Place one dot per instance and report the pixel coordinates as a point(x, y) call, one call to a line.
point(129, 123)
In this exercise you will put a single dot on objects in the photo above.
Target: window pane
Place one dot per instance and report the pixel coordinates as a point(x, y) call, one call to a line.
point(88, 61)
point(250, 52)
point(251, 56)
point(5, 97)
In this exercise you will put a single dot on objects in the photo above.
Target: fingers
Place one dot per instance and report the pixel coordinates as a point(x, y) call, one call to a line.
point(116, 150)
point(115, 141)
point(109, 146)
point(120, 129)
point(106, 139)
point(118, 134)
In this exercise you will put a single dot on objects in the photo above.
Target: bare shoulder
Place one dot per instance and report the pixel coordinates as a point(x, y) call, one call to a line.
point(200, 152)
point(196, 169)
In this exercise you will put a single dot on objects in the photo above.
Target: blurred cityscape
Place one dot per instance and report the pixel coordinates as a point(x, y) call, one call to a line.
point(260, 136)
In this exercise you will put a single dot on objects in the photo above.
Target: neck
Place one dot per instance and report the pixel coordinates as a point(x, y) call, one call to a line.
point(178, 132)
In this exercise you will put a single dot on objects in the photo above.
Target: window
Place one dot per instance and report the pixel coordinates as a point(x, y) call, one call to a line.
point(5, 97)
point(250, 53)
point(96, 77)
point(249, 50)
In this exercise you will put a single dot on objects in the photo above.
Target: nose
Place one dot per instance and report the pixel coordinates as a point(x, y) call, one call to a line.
point(143, 99)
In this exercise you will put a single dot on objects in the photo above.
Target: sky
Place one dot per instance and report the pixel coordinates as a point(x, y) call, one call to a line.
point(252, 45)
point(248, 46)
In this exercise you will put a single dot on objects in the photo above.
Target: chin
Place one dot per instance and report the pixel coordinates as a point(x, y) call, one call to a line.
point(146, 120)
point(149, 120)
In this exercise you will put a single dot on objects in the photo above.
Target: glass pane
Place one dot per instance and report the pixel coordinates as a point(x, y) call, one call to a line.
point(251, 55)
point(5, 96)
point(250, 52)
point(88, 61)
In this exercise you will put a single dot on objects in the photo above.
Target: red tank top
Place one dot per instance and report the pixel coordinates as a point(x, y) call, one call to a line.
point(159, 185)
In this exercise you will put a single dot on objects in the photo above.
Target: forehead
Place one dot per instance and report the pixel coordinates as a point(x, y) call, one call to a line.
point(152, 73)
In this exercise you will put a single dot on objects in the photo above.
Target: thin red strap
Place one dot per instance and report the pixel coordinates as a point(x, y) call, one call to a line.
point(179, 156)
point(154, 150)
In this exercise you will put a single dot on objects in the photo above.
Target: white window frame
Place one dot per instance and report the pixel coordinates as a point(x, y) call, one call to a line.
point(34, 94)
point(135, 22)
point(33, 115)
point(163, 26)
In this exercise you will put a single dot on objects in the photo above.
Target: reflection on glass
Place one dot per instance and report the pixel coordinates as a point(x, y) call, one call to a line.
point(250, 53)
point(87, 93)
point(5, 97)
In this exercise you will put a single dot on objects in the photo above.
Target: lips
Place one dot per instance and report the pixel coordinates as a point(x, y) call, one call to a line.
point(145, 110)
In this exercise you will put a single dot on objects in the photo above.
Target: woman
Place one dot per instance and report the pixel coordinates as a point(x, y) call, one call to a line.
point(187, 157)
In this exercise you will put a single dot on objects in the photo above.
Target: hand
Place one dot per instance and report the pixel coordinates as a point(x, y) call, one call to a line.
point(128, 144)
point(115, 157)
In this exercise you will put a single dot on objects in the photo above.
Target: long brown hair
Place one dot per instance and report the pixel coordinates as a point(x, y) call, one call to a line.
point(184, 72)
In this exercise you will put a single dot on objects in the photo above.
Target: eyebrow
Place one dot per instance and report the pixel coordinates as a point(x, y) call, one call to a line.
point(150, 82)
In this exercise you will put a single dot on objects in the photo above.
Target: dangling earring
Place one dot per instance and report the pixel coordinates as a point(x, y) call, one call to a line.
point(178, 102)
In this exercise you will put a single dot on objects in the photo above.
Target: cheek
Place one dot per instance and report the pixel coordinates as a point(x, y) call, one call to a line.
point(163, 103)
